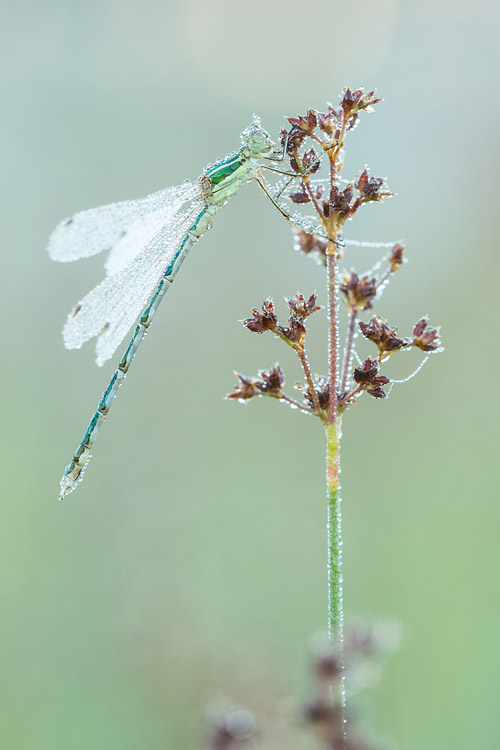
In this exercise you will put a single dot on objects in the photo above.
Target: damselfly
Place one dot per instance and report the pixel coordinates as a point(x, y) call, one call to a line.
point(149, 239)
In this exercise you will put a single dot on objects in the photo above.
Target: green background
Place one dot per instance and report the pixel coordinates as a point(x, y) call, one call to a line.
point(191, 562)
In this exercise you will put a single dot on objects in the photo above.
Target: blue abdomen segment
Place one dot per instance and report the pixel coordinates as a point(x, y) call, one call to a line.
point(74, 471)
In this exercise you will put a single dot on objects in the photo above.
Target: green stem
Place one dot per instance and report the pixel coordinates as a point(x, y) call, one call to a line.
point(334, 520)
point(335, 600)
point(334, 531)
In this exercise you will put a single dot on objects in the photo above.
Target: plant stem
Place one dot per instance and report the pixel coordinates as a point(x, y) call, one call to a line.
point(348, 349)
point(333, 330)
point(311, 195)
point(295, 403)
point(334, 526)
point(334, 517)
point(307, 372)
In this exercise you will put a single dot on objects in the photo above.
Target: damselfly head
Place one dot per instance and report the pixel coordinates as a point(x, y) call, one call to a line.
point(256, 139)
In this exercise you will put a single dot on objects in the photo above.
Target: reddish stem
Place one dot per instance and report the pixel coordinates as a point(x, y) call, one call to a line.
point(307, 372)
point(312, 197)
point(295, 403)
point(333, 332)
point(350, 395)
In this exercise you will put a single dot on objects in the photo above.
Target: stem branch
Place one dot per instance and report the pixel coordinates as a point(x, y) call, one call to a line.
point(307, 372)
point(348, 349)
point(295, 403)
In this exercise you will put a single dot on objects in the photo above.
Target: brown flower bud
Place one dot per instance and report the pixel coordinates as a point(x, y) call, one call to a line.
point(340, 200)
point(310, 161)
point(271, 382)
point(358, 293)
point(262, 321)
point(305, 124)
point(267, 383)
point(293, 138)
point(300, 195)
point(322, 388)
point(427, 339)
point(302, 308)
point(310, 244)
point(395, 257)
point(246, 389)
point(370, 187)
point(294, 334)
point(354, 101)
point(366, 376)
point(378, 331)
point(329, 121)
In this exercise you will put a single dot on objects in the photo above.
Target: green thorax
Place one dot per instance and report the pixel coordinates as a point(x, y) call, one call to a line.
point(225, 168)
point(226, 176)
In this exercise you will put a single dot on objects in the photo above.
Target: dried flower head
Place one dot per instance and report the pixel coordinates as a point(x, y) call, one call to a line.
point(379, 331)
point(300, 307)
point(264, 320)
point(340, 203)
point(311, 244)
point(426, 339)
point(370, 188)
point(272, 381)
point(366, 376)
point(293, 139)
point(395, 257)
point(306, 124)
point(358, 293)
point(330, 122)
point(354, 101)
point(301, 195)
point(267, 383)
point(294, 333)
point(246, 389)
point(322, 389)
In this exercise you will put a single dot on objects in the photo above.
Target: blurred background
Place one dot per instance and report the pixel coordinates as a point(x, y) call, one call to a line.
point(191, 561)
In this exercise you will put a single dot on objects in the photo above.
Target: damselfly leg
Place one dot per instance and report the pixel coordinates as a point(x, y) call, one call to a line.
point(291, 219)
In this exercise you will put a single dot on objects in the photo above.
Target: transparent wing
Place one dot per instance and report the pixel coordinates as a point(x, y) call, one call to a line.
point(89, 232)
point(137, 237)
point(109, 310)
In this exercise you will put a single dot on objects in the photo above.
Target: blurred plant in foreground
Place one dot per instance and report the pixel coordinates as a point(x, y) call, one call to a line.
point(314, 141)
point(315, 723)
